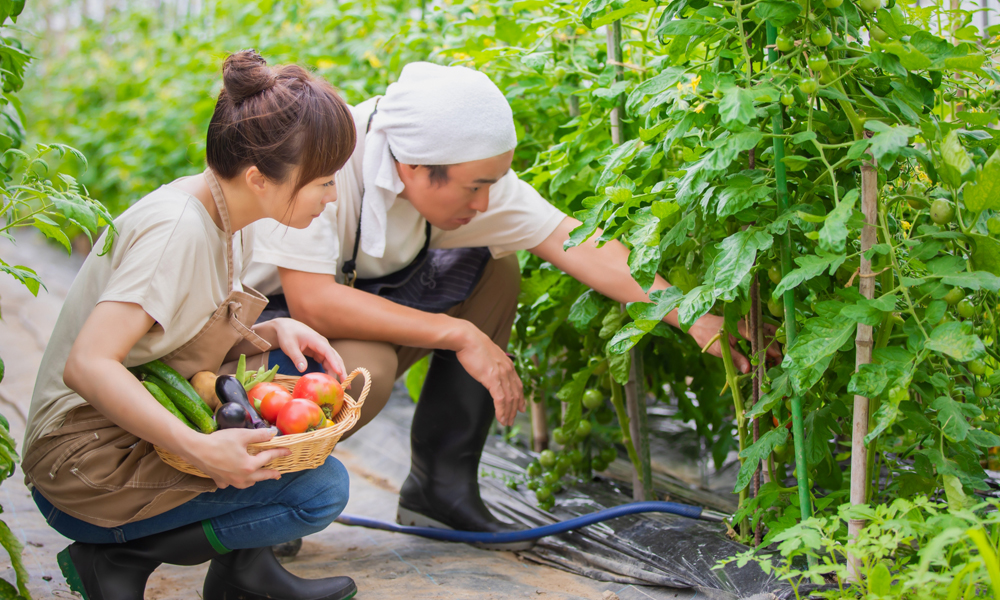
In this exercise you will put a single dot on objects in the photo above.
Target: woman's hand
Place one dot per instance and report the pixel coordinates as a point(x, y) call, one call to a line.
point(298, 340)
point(489, 365)
point(709, 326)
point(223, 456)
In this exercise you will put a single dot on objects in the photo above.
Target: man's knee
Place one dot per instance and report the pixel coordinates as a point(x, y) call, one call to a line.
point(507, 280)
point(379, 359)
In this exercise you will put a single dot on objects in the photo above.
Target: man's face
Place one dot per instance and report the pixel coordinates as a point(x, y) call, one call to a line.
point(451, 204)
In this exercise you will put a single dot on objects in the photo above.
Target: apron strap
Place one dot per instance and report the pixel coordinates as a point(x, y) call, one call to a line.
point(233, 306)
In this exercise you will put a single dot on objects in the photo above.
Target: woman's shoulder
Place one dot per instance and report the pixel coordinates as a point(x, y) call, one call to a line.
point(166, 213)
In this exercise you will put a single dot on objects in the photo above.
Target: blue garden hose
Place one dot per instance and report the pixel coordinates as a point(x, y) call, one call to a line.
point(478, 537)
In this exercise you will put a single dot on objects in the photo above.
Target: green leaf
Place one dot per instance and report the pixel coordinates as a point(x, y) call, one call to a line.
point(983, 439)
point(619, 366)
point(736, 257)
point(685, 27)
point(974, 281)
point(957, 500)
point(956, 162)
point(646, 315)
point(14, 548)
point(618, 161)
point(737, 105)
point(583, 311)
point(778, 13)
point(780, 388)
point(679, 232)
point(811, 265)
point(571, 393)
point(591, 219)
point(885, 416)
point(985, 192)
point(879, 578)
point(730, 148)
point(951, 419)
point(949, 338)
point(695, 304)
point(415, 377)
point(754, 454)
point(808, 358)
point(833, 234)
point(887, 144)
point(986, 253)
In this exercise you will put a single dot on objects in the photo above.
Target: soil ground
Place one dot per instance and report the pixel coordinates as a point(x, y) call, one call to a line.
point(384, 565)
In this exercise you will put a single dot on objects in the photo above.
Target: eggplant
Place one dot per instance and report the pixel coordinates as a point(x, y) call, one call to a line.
point(230, 390)
point(232, 415)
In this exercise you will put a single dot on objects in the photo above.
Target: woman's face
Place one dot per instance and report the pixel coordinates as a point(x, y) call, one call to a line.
point(308, 203)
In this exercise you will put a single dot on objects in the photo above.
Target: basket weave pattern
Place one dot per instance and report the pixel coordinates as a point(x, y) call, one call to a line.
point(308, 450)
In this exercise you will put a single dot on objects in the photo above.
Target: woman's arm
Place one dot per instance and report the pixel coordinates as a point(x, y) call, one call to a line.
point(606, 270)
point(95, 371)
point(342, 312)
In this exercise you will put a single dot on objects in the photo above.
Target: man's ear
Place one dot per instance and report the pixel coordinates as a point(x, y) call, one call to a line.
point(406, 172)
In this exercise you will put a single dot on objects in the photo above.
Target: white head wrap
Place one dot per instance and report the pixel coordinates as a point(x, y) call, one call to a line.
point(433, 115)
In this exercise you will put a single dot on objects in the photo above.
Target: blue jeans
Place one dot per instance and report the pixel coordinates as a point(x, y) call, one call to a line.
point(286, 367)
point(266, 513)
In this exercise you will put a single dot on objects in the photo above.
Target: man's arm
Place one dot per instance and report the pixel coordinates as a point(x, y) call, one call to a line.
point(342, 312)
point(606, 270)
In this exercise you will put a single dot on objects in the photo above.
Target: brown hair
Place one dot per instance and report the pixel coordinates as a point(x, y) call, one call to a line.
point(277, 118)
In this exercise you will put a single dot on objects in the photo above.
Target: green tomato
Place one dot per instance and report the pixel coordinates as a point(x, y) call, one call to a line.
point(784, 43)
point(550, 478)
point(559, 436)
point(547, 458)
point(870, 6)
point(598, 464)
point(575, 456)
point(954, 296)
point(529, 330)
point(832, 3)
point(878, 34)
point(787, 99)
point(976, 366)
point(543, 493)
point(774, 274)
point(765, 387)
point(717, 93)
point(818, 62)
point(942, 211)
point(533, 484)
point(583, 430)
point(776, 307)
point(983, 389)
point(780, 337)
point(593, 399)
point(809, 86)
point(821, 37)
point(966, 309)
point(780, 70)
point(534, 469)
point(564, 462)
point(608, 455)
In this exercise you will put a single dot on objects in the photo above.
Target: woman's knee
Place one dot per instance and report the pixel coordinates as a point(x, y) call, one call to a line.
point(325, 491)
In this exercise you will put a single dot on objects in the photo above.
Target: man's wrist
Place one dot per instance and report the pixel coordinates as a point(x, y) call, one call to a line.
point(457, 333)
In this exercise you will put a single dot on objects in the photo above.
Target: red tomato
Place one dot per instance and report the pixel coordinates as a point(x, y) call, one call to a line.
point(272, 403)
point(322, 389)
point(260, 390)
point(298, 416)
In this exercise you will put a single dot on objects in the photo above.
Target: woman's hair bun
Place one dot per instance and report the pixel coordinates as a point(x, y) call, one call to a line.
point(245, 74)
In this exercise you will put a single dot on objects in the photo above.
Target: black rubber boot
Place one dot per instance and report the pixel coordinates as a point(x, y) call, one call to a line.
point(450, 427)
point(255, 574)
point(120, 571)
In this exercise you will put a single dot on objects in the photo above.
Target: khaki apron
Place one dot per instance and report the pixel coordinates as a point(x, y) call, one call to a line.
point(93, 470)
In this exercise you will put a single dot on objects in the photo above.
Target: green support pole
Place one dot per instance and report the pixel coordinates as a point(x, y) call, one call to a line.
point(798, 429)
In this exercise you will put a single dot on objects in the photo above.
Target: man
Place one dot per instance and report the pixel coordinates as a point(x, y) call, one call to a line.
point(431, 171)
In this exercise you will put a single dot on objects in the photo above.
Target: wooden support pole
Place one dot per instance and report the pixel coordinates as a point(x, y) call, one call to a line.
point(539, 419)
point(863, 343)
point(635, 405)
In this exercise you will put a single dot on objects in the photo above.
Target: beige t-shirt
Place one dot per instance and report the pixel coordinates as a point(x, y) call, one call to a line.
point(170, 259)
point(518, 218)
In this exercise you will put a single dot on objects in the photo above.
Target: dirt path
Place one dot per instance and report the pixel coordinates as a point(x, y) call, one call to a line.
point(385, 565)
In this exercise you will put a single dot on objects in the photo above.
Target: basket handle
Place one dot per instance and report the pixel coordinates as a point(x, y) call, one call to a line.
point(368, 383)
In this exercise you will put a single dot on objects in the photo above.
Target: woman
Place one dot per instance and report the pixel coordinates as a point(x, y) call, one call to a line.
point(170, 289)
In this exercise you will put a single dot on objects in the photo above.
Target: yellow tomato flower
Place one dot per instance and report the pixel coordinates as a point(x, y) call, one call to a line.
point(695, 82)
point(372, 59)
point(700, 108)
point(906, 225)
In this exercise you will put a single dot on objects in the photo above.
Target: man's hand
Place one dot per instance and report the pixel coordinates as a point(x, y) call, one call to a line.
point(710, 326)
point(489, 365)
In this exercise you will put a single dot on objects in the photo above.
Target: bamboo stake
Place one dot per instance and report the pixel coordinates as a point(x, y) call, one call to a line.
point(539, 420)
point(642, 479)
point(863, 344)
point(756, 334)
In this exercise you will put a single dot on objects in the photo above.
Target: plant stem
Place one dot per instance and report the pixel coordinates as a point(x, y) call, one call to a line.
point(623, 421)
point(734, 387)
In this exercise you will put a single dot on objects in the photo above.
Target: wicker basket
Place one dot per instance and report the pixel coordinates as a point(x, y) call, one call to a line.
point(309, 450)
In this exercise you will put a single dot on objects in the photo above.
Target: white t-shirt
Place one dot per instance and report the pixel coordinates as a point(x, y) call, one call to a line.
point(170, 259)
point(518, 218)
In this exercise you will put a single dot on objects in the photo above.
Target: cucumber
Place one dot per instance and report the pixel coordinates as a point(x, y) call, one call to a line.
point(155, 391)
point(195, 410)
